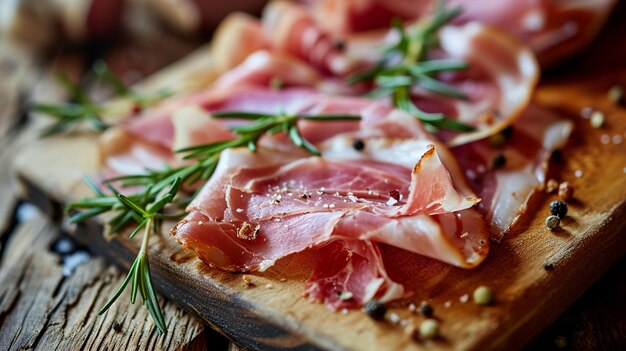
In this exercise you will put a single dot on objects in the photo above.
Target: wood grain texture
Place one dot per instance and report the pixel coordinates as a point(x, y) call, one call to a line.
point(274, 315)
point(41, 308)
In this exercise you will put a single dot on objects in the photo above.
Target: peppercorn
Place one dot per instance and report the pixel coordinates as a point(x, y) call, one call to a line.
point(375, 309)
point(429, 329)
point(616, 95)
point(558, 208)
point(358, 144)
point(507, 132)
point(340, 45)
point(499, 161)
point(483, 295)
point(597, 119)
point(426, 309)
point(552, 222)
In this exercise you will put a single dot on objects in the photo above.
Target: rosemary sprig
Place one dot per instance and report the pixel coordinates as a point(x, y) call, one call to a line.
point(159, 191)
point(405, 65)
point(269, 124)
point(83, 109)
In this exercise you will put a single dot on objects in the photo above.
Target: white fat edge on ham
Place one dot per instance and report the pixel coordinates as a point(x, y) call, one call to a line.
point(418, 231)
point(506, 191)
point(510, 65)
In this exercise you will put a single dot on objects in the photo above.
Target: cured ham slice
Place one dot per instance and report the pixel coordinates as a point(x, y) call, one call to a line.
point(511, 73)
point(554, 29)
point(350, 273)
point(498, 84)
point(505, 191)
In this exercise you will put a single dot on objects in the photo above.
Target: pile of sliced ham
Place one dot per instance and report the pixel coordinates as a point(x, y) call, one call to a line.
point(381, 181)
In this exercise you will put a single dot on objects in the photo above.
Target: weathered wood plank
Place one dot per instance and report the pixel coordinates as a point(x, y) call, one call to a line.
point(42, 309)
point(16, 70)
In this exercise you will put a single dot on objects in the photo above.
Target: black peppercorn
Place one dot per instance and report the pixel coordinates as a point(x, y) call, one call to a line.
point(558, 208)
point(340, 45)
point(499, 161)
point(358, 144)
point(507, 132)
point(426, 309)
point(375, 309)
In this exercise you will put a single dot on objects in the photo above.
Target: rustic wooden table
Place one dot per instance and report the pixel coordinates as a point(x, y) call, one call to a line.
point(51, 288)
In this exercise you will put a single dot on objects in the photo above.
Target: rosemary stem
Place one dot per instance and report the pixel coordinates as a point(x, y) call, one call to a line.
point(146, 237)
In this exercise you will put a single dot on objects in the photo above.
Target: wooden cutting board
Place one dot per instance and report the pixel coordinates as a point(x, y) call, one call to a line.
point(536, 274)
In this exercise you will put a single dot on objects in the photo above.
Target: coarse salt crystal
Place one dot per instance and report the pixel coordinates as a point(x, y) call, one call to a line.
point(471, 174)
point(586, 112)
point(391, 201)
point(605, 139)
point(617, 139)
point(464, 298)
point(239, 210)
point(578, 173)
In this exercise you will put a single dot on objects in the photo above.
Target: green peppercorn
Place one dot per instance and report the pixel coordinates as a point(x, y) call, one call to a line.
point(552, 222)
point(558, 208)
point(429, 329)
point(375, 309)
point(483, 295)
point(616, 95)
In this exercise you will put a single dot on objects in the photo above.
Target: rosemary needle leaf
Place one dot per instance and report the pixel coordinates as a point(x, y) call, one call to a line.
point(298, 140)
point(331, 117)
point(240, 115)
point(102, 71)
point(119, 291)
point(121, 221)
point(82, 216)
point(136, 280)
point(441, 88)
point(133, 206)
point(152, 298)
point(92, 185)
point(138, 228)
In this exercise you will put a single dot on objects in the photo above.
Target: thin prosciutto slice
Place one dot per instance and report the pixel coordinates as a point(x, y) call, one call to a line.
point(350, 272)
point(257, 209)
point(499, 84)
point(554, 29)
point(505, 192)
